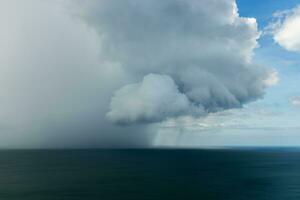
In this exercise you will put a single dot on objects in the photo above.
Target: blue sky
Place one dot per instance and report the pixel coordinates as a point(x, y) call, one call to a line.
point(263, 10)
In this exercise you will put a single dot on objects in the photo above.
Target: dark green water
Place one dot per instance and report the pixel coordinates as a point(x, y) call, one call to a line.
point(150, 174)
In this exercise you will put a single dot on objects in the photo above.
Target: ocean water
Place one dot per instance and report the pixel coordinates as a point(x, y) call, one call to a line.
point(245, 174)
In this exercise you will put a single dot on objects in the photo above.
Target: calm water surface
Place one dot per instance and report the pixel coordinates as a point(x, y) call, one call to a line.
point(150, 174)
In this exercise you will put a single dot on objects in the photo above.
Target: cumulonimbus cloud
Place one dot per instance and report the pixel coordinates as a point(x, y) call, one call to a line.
point(184, 57)
point(68, 66)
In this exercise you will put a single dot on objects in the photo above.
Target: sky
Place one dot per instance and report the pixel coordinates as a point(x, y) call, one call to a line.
point(173, 73)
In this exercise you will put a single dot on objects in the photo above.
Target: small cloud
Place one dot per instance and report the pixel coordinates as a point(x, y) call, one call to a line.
point(285, 29)
point(273, 78)
point(295, 101)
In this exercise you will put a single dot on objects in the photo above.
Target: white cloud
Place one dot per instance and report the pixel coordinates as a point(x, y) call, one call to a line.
point(154, 99)
point(204, 46)
point(295, 101)
point(273, 78)
point(286, 29)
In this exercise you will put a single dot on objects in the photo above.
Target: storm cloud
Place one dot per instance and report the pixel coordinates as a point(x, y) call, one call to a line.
point(55, 85)
point(71, 70)
point(184, 57)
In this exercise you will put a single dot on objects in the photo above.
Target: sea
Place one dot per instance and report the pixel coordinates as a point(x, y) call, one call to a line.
point(146, 174)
